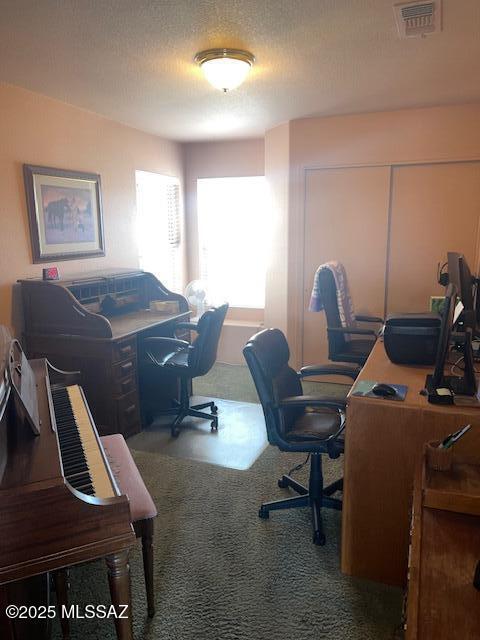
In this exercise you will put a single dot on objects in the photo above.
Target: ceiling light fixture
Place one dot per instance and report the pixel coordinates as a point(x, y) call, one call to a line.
point(225, 69)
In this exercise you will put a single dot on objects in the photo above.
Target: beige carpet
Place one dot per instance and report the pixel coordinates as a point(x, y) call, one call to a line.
point(221, 573)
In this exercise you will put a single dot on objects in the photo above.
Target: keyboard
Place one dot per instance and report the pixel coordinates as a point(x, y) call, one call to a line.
point(82, 455)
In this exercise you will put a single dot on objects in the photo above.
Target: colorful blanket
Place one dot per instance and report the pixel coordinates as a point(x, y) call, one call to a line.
point(344, 300)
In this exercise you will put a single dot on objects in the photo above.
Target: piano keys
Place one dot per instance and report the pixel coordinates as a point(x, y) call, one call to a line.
point(84, 464)
point(59, 502)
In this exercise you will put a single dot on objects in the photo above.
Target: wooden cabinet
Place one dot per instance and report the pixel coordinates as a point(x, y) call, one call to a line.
point(95, 324)
point(443, 601)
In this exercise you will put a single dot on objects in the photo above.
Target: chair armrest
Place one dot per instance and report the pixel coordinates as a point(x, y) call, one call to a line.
point(369, 319)
point(329, 370)
point(357, 332)
point(311, 401)
point(172, 342)
point(192, 326)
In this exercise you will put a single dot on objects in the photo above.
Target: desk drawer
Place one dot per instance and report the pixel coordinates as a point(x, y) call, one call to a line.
point(128, 414)
point(125, 385)
point(124, 370)
point(124, 349)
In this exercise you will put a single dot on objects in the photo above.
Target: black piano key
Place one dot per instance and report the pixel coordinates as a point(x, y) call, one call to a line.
point(73, 455)
point(72, 451)
point(88, 489)
point(73, 447)
point(72, 469)
point(79, 481)
point(66, 440)
point(74, 460)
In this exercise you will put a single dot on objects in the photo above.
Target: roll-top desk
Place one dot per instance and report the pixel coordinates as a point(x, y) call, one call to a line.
point(95, 324)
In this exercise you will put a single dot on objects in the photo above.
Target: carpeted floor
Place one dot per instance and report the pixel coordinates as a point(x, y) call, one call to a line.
point(221, 573)
point(234, 382)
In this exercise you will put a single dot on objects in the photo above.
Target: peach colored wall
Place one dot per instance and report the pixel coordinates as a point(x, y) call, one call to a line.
point(224, 159)
point(337, 204)
point(37, 130)
point(393, 137)
point(277, 171)
point(434, 134)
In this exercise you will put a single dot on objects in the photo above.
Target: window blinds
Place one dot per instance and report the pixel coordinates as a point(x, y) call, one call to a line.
point(159, 227)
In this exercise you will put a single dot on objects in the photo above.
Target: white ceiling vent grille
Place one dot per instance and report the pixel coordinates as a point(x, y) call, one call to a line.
point(418, 18)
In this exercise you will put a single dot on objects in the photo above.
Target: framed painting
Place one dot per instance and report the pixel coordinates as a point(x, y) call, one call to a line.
point(65, 213)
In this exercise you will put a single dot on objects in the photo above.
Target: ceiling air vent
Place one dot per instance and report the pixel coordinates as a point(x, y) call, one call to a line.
point(418, 18)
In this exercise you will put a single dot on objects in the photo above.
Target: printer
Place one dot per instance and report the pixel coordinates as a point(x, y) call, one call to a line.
point(412, 338)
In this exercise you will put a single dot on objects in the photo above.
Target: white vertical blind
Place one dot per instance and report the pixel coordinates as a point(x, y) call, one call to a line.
point(159, 227)
point(233, 239)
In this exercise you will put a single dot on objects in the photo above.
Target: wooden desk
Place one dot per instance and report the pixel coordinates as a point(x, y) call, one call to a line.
point(383, 444)
point(96, 324)
point(443, 602)
point(141, 321)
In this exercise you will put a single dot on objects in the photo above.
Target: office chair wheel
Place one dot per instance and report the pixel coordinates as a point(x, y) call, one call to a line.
point(175, 432)
point(214, 409)
point(282, 483)
point(319, 538)
point(263, 513)
point(214, 426)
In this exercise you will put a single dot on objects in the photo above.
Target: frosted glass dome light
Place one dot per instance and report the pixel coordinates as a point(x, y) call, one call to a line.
point(225, 69)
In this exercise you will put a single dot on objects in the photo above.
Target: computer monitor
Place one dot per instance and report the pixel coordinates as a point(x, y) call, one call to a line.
point(460, 276)
point(460, 385)
point(444, 337)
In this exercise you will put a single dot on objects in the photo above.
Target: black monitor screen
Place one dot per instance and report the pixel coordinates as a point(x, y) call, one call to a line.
point(459, 274)
point(444, 338)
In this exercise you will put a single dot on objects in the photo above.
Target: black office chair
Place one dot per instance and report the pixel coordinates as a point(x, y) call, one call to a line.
point(339, 349)
point(296, 422)
point(185, 361)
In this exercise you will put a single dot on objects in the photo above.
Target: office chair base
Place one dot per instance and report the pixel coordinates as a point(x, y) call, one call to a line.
point(321, 499)
point(288, 481)
point(182, 409)
point(194, 413)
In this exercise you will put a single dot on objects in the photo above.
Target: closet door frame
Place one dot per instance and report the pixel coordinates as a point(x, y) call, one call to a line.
point(297, 234)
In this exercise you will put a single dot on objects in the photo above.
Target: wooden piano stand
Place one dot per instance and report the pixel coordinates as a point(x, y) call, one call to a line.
point(384, 442)
point(120, 592)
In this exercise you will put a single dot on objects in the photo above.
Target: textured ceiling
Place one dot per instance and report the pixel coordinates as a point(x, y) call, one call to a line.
point(131, 60)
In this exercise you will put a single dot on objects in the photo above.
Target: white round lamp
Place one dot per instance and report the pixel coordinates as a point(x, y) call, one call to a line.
point(225, 69)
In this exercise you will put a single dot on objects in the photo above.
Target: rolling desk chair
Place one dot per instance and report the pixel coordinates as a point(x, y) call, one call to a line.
point(293, 426)
point(185, 361)
point(341, 349)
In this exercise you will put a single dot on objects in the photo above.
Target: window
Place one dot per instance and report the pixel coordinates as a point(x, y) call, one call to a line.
point(233, 239)
point(159, 227)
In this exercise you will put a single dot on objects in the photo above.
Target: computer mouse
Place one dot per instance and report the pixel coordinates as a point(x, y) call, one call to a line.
point(384, 390)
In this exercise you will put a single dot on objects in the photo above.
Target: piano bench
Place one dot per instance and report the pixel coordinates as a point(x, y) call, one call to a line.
point(128, 477)
point(142, 507)
point(142, 512)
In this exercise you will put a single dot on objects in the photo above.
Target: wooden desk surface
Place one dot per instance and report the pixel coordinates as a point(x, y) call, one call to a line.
point(130, 323)
point(380, 369)
point(384, 441)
